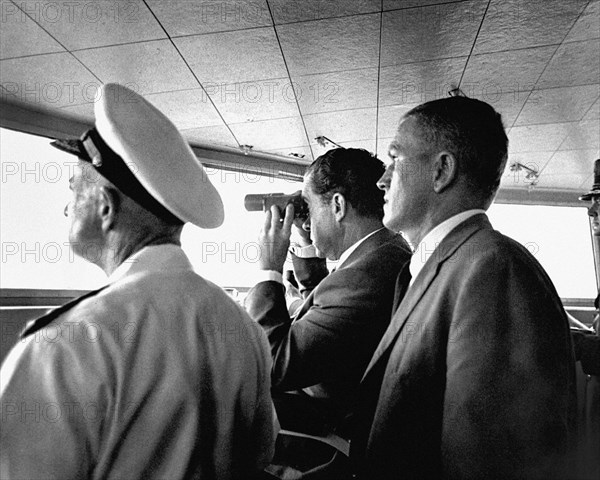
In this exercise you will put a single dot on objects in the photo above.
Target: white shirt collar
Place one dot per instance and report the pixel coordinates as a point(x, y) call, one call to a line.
point(166, 257)
point(431, 241)
point(346, 253)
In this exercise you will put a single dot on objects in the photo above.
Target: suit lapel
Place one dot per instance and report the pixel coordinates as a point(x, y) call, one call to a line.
point(381, 237)
point(415, 292)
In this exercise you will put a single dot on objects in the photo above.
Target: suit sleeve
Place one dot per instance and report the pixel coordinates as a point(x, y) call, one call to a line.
point(329, 339)
point(587, 351)
point(506, 407)
point(51, 416)
point(309, 272)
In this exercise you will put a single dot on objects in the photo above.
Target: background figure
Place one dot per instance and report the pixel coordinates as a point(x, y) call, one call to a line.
point(477, 364)
point(587, 351)
point(159, 374)
point(321, 352)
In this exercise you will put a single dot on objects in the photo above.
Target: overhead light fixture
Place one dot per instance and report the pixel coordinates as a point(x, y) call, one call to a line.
point(456, 92)
point(324, 141)
point(532, 176)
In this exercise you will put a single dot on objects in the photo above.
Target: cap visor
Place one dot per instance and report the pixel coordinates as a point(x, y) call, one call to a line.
point(74, 147)
point(590, 195)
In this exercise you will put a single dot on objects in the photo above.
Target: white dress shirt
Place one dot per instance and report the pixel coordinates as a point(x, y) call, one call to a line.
point(424, 250)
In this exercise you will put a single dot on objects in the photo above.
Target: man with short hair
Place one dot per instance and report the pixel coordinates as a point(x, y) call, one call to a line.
point(321, 352)
point(141, 378)
point(476, 368)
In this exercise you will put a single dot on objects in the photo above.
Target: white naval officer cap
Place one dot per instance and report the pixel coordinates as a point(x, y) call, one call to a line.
point(142, 153)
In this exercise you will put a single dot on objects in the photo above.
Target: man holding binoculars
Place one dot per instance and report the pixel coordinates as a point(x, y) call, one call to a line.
point(320, 354)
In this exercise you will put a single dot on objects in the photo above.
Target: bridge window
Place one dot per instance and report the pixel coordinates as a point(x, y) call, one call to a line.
point(34, 233)
point(36, 254)
point(558, 237)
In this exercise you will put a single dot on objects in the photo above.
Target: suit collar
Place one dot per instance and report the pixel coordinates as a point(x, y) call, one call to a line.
point(346, 253)
point(371, 242)
point(368, 243)
point(449, 245)
point(435, 237)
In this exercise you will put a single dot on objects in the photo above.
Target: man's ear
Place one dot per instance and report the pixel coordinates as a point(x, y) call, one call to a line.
point(445, 171)
point(109, 201)
point(339, 206)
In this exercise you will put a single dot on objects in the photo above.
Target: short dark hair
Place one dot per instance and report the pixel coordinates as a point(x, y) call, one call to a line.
point(353, 172)
point(471, 130)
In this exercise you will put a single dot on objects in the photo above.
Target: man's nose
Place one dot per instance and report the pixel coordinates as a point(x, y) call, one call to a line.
point(66, 210)
point(384, 180)
point(306, 225)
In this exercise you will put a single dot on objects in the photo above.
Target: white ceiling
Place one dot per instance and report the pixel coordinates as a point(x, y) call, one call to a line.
point(276, 74)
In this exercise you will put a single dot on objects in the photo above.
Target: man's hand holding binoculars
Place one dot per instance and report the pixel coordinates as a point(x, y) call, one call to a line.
point(274, 238)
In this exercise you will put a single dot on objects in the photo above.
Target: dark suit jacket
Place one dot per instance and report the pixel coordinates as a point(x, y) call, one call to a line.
point(328, 344)
point(477, 366)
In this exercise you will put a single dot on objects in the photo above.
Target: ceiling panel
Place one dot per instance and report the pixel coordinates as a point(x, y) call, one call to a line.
point(215, 135)
point(587, 25)
point(205, 16)
point(396, 4)
point(582, 135)
point(327, 92)
point(271, 134)
point(80, 25)
point(389, 119)
point(566, 104)
point(512, 24)
point(187, 108)
point(253, 101)
point(580, 162)
point(575, 63)
point(594, 111)
point(229, 57)
point(148, 67)
point(510, 71)
point(16, 25)
point(342, 126)
point(533, 138)
point(53, 80)
point(286, 11)
point(508, 104)
point(419, 82)
point(407, 34)
point(315, 68)
point(338, 44)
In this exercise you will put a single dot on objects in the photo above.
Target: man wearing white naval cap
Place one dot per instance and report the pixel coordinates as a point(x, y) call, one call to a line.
point(158, 374)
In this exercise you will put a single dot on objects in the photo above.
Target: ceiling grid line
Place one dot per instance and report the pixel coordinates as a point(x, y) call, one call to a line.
point(57, 41)
point(312, 154)
point(193, 73)
point(548, 63)
point(462, 75)
point(378, 79)
point(413, 7)
point(538, 79)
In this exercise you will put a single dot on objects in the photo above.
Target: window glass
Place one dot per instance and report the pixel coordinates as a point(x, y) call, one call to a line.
point(558, 237)
point(34, 230)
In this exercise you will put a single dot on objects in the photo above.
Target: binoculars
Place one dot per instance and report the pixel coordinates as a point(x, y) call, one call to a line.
point(257, 202)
